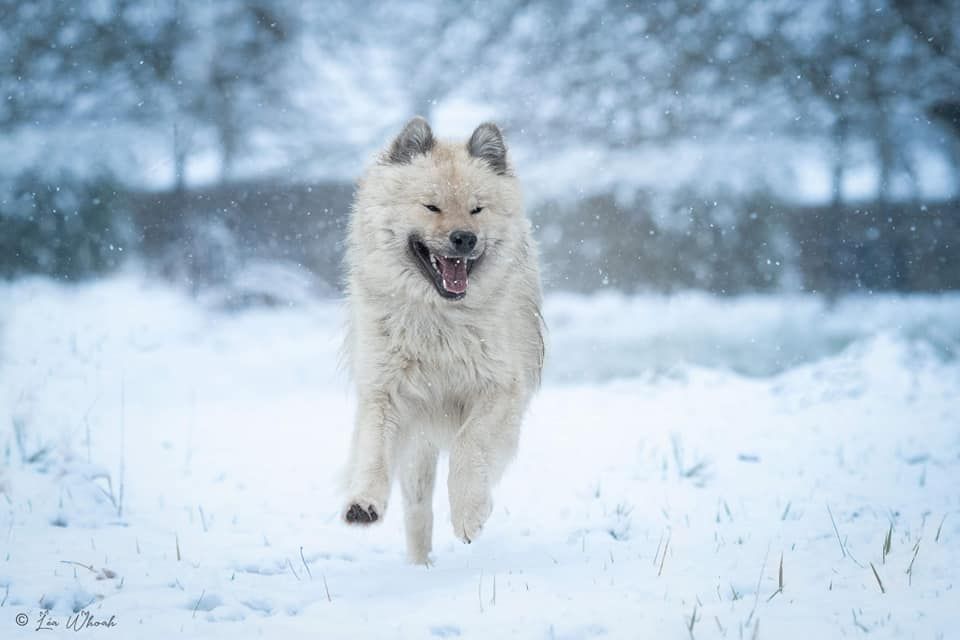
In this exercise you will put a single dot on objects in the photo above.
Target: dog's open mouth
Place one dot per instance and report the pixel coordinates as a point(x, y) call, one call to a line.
point(449, 274)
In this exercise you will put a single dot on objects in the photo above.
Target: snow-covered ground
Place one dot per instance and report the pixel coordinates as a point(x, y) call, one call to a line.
point(174, 466)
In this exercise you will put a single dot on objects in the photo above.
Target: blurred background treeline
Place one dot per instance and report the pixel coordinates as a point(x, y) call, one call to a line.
point(725, 145)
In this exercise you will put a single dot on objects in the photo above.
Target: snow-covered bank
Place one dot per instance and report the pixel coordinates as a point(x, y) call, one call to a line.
point(609, 335)
point(679, 449)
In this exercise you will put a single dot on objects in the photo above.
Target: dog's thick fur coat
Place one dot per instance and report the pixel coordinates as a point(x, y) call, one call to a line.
point(446, 358)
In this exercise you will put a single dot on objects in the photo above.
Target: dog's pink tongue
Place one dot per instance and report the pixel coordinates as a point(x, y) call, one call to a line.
point(454, 274)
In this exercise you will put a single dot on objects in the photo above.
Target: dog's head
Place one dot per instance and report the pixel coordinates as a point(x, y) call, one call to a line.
point(438, 218)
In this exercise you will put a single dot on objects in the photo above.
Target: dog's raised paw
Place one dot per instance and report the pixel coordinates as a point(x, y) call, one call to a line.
point(357, 514)
point(468, 521)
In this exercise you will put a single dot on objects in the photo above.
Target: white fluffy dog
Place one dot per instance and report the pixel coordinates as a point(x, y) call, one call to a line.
point(445, 338)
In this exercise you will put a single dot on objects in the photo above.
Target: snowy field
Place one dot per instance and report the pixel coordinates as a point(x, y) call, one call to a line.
point(763, 467)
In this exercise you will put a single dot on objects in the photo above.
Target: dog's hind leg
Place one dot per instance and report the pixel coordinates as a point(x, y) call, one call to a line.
point(371, 459)
point(417, 472)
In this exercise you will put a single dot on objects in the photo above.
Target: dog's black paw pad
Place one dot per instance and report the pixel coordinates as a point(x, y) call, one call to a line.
point(359, 515)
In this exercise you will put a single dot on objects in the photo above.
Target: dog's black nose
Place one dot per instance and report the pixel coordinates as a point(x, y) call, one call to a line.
point(463, 241)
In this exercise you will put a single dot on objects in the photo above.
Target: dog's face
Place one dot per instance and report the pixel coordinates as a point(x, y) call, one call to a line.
point(439, 218)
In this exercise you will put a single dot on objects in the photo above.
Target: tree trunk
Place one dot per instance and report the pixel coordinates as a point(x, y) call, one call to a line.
point(225, 121)
point(179, 159)
point(886, 158)
point(948, 114)
point(228, 152)
point(840, 127)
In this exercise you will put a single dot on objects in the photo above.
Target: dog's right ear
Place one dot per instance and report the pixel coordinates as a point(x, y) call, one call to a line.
point(416, 139)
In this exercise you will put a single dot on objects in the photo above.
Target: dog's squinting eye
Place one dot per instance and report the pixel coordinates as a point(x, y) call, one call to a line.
point(432, 207)
point(475, 211)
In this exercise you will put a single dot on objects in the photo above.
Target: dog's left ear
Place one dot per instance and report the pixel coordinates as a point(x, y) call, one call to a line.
point(487, 144)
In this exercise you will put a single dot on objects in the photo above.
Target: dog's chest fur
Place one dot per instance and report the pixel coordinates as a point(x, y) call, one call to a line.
point(444, 355)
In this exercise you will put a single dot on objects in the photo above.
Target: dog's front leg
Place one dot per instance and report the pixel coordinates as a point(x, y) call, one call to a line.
point(371, 458)
point(478, 456)
point(417, 473)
